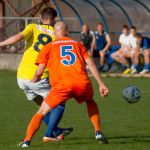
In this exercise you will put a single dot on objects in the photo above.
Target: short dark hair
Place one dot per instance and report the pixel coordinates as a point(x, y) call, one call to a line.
point(139, 35)
point(133, 27)
point(48, 13)
point(100, 23)
point(125, 27)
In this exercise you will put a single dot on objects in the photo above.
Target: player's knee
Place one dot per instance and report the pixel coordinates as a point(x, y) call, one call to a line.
point(44, 109)
point(122, 56)
point(102, 54)
point(113, 56)
point(146, 53)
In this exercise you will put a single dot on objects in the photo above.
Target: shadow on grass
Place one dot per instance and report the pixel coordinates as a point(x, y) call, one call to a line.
point(90, 140)
point(112, 140)
point(129, 139)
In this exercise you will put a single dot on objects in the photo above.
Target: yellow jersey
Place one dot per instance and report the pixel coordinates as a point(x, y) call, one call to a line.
point(36, 37)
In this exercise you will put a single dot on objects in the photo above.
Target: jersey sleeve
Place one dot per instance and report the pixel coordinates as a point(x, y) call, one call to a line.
point(28, 31)
point(43, 55)
point(92, 33)
point(121, 39)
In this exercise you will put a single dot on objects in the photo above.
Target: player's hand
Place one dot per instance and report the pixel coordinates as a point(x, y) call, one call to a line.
point(91, 53)
point(35, 79)
point(103, 90)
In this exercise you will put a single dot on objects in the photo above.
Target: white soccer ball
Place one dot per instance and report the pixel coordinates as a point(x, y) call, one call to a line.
point(131, 94)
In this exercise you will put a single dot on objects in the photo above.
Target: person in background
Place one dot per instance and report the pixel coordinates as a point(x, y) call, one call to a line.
point(133, 49)
point(143, 44)
point(103, 43)
point(125, 46)
point(87, 38)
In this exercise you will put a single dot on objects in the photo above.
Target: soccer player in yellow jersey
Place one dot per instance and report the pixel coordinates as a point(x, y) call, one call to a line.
point(36, 36)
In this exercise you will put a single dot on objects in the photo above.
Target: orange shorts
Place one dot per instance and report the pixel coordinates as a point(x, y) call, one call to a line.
point(59, 94)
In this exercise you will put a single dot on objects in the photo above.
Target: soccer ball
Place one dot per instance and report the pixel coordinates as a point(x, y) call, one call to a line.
point(131, 94)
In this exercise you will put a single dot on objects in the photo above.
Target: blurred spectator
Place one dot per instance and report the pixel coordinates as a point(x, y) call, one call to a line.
point(124, 41)
point(128, 55)
point(143, 44)
point(87, 39)
point(103, 43)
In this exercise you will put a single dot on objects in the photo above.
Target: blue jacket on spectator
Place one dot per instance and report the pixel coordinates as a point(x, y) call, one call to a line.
point(100, 40)
point(145, 44)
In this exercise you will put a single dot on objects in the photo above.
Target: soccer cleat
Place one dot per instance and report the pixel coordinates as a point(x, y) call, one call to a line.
point(127, 71)
point(23, 144)
point(49, 139)
point(65, 131)
point(144, 71)
point(100, 137)
point(134, 71)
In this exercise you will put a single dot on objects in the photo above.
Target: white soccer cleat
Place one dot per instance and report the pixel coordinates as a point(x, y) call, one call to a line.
point(100, 137)
point(134, 71)
point(144, 71)
point(23, 144)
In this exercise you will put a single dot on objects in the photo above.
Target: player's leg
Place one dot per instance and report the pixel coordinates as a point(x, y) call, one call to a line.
point(31, 96)
point(38, 101)
point(135, 62)
point(123, 58)
point(35, 124)
point(146, 68)
point(102, 57)
point(93, 113)
point(53, 118)
point(86, 95)
point(125, 62)
point(57, 99)
point(116, 56)
point(54, 99)
point(37, 92)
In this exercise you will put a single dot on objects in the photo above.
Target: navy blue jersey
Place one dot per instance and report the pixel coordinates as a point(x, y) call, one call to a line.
point(100, 40)
point(145, 44)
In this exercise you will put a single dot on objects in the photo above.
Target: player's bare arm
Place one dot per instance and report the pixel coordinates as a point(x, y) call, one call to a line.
point(108, 39)
point(12, 40)
point(95, 73)
point(92, 45)
point(38, 73)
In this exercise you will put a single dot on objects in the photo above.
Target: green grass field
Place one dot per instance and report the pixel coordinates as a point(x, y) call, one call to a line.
point(127, 126)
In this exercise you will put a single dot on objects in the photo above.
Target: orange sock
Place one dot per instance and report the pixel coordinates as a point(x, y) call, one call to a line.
point(33, 126)
point(94, 114)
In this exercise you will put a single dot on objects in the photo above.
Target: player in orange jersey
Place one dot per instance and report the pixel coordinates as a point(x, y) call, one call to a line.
point(66, 60)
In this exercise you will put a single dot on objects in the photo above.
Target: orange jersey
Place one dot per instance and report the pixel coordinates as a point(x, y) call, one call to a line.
point(65, 59)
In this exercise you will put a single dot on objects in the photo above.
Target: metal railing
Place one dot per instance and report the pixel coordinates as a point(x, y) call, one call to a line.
point(13, 25)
